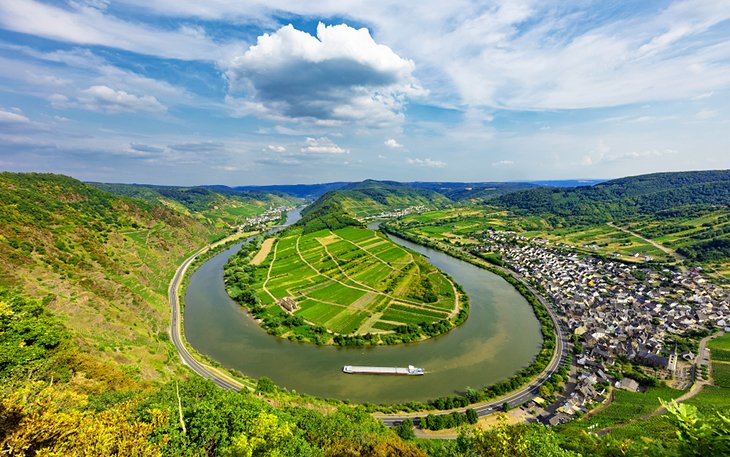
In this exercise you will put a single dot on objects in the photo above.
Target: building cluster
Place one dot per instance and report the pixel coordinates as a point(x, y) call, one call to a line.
point(398, 212)
point(615, 310)
point(260, 221)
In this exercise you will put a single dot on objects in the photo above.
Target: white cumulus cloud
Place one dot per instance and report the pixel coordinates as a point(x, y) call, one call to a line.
point(340, 75)
point(275, 148)
point(7, 117)
point(429, 163)
point(392, 143)
point(108, 100)
point(322, 146)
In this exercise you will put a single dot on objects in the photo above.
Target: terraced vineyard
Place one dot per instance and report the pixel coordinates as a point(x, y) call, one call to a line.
point(352, 281)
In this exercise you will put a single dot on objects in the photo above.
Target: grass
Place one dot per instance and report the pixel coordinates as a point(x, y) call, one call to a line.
point(344, 278)
point(721, 373)
point(625, 407)
point(106, 261)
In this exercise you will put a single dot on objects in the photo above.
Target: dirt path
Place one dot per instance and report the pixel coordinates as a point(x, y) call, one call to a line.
point(263, 252)
point(268, 272)
point(679, 258)
point(342, 270)
point(363, 289)
point(366, 250)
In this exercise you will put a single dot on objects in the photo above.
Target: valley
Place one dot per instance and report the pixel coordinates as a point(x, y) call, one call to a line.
point(331, 280)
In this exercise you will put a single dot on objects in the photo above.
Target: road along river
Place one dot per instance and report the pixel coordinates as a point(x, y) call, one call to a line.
point(500, 336)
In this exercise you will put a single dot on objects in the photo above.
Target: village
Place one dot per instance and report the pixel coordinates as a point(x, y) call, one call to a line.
point(397, 213)
point(260, 221)
point(615, 312)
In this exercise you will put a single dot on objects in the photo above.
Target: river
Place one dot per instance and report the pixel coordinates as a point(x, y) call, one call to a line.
point(500, 336)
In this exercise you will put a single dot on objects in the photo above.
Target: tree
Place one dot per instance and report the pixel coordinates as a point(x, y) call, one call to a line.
point(505, 406)
point(265, 385)
point(405, 430)
point(699, 435)
point(265, 436)
point(471, 416)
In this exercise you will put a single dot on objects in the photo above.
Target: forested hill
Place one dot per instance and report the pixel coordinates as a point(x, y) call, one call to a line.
point(219, 205)
point(354, 202)
point(103, 260)
point(477, 191)
point(372, 197)
point(625, 198)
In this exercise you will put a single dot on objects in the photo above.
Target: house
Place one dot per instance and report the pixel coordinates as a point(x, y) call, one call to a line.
point(288, 304)
point(628, 384)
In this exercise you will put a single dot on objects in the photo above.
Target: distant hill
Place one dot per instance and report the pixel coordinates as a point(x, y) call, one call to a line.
point(104, 260)
point(483, 191)
point(309, 191)
point(345, 206)
point(623, 198)
point(567, 182)
point(452, 190)
point(219, 205)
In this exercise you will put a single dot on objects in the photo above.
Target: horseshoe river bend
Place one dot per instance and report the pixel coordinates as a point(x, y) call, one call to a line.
point(500, 337)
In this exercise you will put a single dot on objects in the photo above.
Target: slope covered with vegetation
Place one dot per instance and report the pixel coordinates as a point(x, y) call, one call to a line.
point(689, 212)
point(103, 261)
point(349, 286)
point(624, 198)
point(370, 198)
point(219, 205)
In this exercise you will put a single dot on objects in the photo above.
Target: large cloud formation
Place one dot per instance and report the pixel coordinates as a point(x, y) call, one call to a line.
point(341, 75)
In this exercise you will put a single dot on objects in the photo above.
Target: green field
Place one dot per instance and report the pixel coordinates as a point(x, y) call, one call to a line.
point(625, 407)
point(461, 225)
point(353, 281)
point(720, 350)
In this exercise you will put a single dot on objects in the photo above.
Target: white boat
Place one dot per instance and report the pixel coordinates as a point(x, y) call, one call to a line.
point(410, 371)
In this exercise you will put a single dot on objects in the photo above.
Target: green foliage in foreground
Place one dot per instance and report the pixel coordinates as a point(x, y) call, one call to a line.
point(98, 411)
point(27, 334)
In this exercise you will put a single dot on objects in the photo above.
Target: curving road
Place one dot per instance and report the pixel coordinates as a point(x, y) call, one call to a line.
point(199, 368)
point(519, 396)
point(217, 376)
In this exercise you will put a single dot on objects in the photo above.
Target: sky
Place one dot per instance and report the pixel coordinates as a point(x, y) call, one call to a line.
point(190, 92)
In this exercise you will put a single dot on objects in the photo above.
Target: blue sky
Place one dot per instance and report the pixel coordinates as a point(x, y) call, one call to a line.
point(264, 92)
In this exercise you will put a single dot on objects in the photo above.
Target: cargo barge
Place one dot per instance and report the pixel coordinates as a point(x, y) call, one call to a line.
point(410, 371)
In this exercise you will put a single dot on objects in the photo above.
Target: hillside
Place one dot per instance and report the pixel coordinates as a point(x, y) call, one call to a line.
point(103, 260)
point(218, 205)
point(620, 199)
point(371, 198)
point(307, 191)
point(685, 212)
point(479, 191)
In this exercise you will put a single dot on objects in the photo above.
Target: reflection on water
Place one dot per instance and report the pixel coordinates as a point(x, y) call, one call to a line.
point(500, 337)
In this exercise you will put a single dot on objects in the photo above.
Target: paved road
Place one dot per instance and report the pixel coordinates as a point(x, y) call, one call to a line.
point(517, 397)
point(201, 369)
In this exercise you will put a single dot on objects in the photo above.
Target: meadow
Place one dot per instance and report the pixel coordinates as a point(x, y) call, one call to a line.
point(353, 281)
